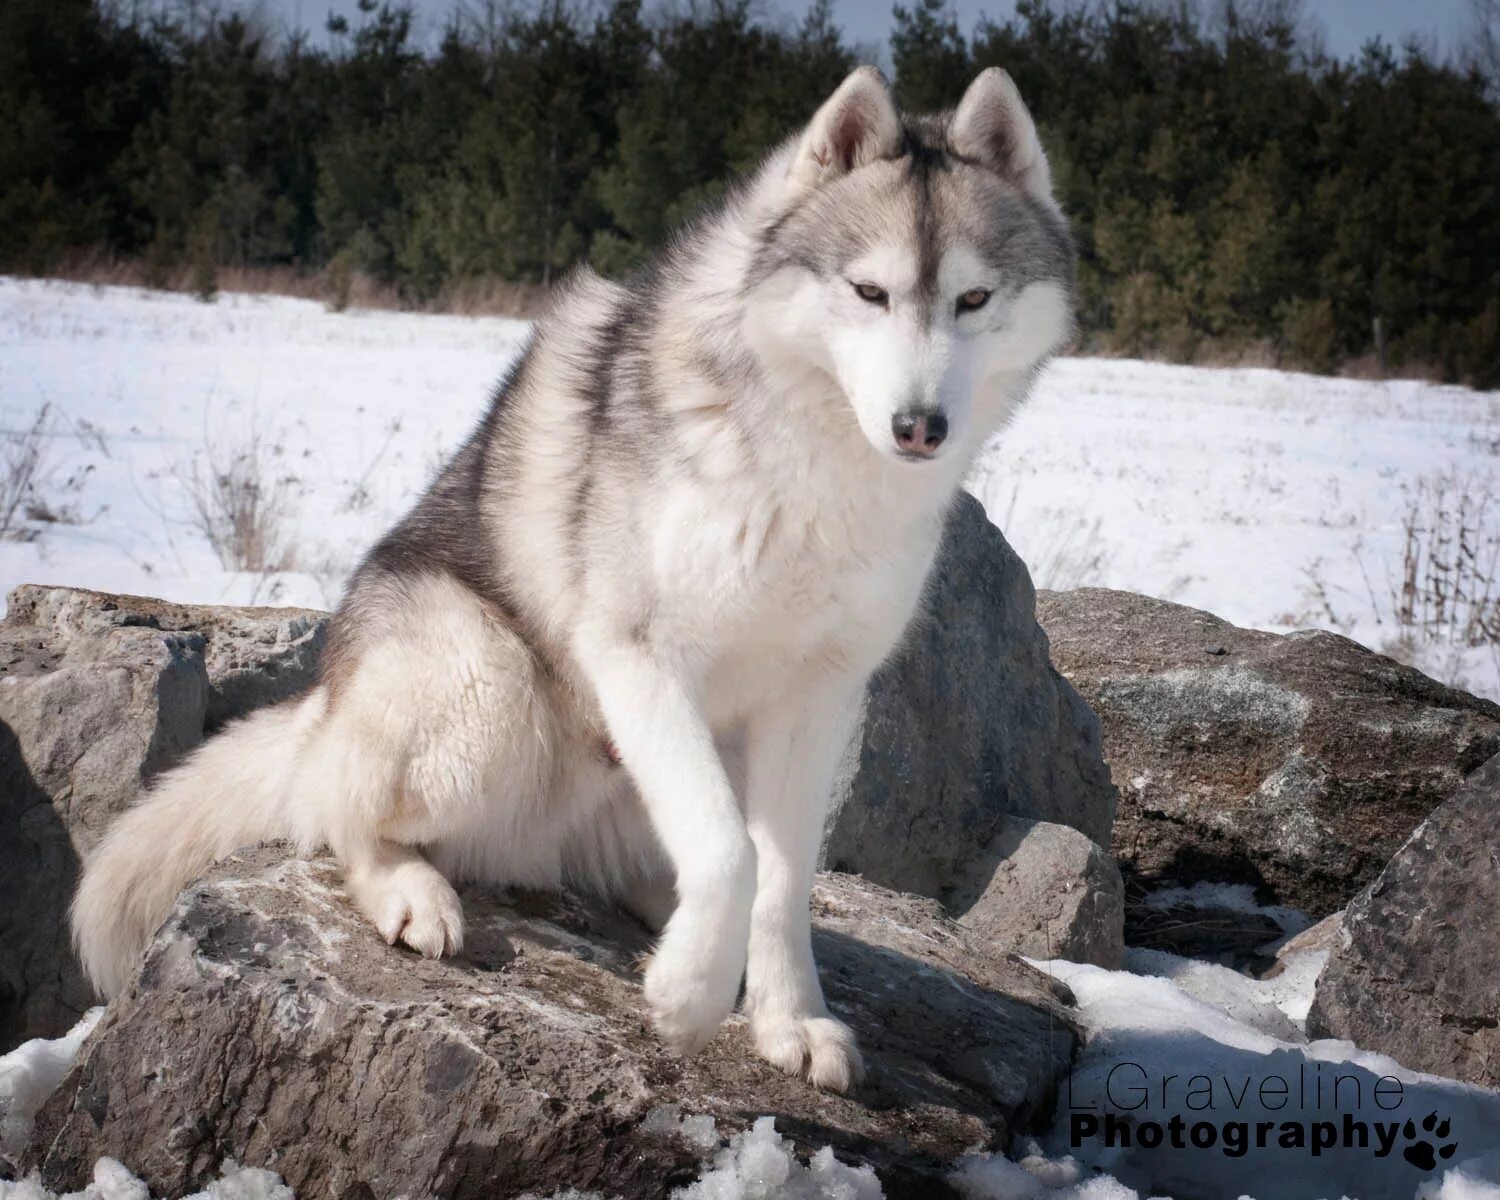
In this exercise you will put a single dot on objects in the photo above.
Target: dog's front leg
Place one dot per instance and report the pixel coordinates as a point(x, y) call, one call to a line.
point(653, 714)
point(793, 752)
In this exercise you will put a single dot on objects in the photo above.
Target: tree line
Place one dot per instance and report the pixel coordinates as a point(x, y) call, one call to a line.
point(1233, 190)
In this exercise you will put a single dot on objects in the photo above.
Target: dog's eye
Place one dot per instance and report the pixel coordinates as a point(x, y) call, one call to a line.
point(871, 294)
point(973, 299)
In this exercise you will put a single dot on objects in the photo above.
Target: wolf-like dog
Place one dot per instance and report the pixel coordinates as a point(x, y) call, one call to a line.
point(620, 642)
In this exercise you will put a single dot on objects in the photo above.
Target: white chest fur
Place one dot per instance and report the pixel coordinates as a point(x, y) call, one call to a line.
point(764, 585)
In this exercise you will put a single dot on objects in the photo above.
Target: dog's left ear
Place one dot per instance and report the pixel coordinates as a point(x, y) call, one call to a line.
point(993, 127)
point(855, 126)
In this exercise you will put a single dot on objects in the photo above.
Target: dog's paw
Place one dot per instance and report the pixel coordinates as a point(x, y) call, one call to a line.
point(820, 1049)
point(417, 906)
point(689, 994)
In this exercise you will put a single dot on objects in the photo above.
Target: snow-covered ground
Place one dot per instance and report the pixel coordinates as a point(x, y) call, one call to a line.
point(1272, 499)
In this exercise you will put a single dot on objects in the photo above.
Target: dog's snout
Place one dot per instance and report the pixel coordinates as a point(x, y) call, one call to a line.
point(919, 432)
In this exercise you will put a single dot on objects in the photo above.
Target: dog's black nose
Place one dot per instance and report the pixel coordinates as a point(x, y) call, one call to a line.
point(919, 433)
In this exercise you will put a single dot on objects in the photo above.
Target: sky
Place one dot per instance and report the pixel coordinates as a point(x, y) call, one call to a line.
point(1343, 25)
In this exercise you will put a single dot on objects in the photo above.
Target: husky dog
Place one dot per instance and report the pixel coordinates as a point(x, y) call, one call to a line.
point(620, 642)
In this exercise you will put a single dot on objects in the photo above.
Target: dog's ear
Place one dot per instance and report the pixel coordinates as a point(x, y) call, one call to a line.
point(855, 126)
point(993, 127)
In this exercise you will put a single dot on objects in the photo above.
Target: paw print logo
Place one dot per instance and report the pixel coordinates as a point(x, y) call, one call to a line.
point(1420, 1153)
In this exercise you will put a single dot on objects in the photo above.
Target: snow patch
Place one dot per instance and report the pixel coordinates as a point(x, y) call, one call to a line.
point(699, 1132)
point(114, 1181)
point(759, 1164)
point(1171, 1039)
point(29, 1074)
point(1034, 1177)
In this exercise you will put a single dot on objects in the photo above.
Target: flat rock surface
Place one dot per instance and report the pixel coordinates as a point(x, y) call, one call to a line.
point(272, 1025)
point(1298, 763)
point(1415, 966)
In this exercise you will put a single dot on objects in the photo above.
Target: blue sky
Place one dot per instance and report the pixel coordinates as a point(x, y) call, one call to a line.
point(1343, 25)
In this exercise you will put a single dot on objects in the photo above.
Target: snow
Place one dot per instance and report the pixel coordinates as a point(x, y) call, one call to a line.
point(1273, 499)
point(113, 1181)
point(1169, 1038)
point(1033, 1177)
point(29, 1074)
point(355, 412)
point(759, 1164)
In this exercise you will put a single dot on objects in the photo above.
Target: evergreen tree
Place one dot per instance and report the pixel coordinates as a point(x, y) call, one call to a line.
point(1230, 188)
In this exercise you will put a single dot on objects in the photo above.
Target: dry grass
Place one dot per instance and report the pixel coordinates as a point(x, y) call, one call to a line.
point(1441, 603)
point(32, 493)
point(493, 297)
point(242, 504)
point(1447, 590)
point(21, 466)
point(1077, 554)
point(1367, 367)
point(483, 297)
point(1255, 354)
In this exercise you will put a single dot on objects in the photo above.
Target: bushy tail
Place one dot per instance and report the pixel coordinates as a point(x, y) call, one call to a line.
point(233, 791)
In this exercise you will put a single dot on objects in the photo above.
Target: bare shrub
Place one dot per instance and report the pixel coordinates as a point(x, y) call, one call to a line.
point(360, 497)
point(241, 504)
point(21, 468)
point(1446, 592)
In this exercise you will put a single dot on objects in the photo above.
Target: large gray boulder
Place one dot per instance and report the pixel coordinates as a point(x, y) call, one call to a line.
point(271, 1024)
point(1297, 763)
point(968, 725)
point(1415, 967)
point(98, 693)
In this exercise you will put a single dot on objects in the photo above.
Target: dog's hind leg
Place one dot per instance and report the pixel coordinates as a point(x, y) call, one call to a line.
point(357, 802)
point(435, 733)
point(405, 896)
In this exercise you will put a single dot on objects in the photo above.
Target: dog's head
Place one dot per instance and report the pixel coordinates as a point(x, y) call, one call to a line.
point(922, 263)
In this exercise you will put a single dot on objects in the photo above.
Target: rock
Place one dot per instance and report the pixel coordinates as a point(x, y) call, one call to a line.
point(1319, 938)
point(1323, 935)
point(252, 656)
point(967, 726)
point(1295, 763)
point(97, 694)
point(1413, 969)
point(272, 1025)
point(1046, 891)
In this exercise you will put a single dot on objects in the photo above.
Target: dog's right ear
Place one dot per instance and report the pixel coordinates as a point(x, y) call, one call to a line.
point(855, 126)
